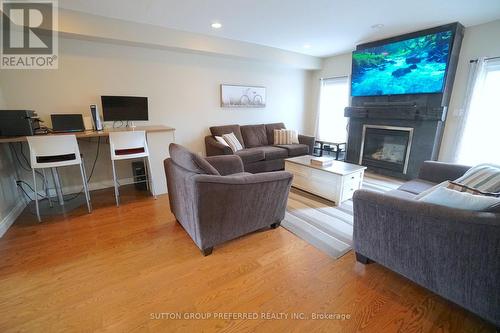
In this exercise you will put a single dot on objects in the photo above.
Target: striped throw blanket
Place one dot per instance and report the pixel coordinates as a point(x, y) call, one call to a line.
point(484, 178)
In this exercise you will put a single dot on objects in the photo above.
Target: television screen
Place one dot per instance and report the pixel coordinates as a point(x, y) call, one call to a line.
point(116, 108)
point(411, 66)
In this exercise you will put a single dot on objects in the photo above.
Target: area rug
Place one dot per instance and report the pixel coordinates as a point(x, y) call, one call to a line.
point(324, 225)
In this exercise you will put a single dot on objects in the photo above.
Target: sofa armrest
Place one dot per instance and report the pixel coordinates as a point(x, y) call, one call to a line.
point(226, 164)
point(452, 252)
point(309, 141)
point(214, 148)
point(438, 172)
point(421, 209)
point(251, 179)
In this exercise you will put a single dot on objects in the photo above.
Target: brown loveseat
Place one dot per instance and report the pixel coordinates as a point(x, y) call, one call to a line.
point(259, 153)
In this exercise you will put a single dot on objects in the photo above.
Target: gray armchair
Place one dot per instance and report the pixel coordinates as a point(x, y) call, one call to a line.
point(455, 253)
point(215, 201)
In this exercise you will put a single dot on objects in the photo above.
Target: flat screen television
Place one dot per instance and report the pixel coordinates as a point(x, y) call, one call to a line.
point(415, 65)
point(125, 108)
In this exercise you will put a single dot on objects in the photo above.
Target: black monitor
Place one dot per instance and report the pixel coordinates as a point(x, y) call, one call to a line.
point(116, 108)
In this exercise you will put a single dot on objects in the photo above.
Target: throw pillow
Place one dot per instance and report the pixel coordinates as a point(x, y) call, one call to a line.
point(232, 142)
point(285, 137)
point(484, 178)
point(221, 140)
point(460, 200)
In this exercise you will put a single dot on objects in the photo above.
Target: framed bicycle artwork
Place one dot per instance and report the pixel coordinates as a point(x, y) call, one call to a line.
point(238, 96)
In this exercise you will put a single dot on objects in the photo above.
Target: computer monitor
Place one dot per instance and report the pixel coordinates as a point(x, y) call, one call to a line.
point(67, 123)
point(125, 108)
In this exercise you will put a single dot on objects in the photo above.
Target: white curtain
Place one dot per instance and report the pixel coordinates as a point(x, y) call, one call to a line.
point(331, 125)
point(477, 134)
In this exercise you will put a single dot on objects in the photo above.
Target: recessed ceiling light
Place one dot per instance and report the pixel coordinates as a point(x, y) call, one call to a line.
point(216, 25)
point(307, 46)
point(377, 26)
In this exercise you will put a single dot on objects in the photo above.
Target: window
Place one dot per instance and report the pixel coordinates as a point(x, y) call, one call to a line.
point(334, 97)
point(480, 136)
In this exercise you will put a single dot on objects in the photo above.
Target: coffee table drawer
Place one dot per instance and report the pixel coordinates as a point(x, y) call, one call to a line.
point(351, 183)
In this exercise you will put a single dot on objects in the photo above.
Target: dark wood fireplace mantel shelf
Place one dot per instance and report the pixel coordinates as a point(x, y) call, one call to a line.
point(407, 112)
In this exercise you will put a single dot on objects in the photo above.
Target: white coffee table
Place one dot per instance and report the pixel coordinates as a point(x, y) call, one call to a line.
point(336, 182)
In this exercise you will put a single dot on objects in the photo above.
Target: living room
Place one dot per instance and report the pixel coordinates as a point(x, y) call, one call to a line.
point(241, 176)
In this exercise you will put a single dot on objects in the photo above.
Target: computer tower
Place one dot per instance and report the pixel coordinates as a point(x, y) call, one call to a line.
point(18, 122)
point(139, 174)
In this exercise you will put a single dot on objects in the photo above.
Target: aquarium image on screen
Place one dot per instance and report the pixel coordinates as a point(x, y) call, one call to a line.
point(412, 66)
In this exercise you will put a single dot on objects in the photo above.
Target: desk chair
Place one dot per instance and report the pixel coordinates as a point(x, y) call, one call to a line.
point(129, 145)
point(54, 152)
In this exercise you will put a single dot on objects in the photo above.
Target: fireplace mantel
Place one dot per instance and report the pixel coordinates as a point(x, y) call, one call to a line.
point(413, 112)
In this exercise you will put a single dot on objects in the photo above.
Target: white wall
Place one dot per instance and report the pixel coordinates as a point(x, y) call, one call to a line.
point(183, 90)
point(479, 41)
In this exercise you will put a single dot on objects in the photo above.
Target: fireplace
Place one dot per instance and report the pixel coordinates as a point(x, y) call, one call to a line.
point(386, 147)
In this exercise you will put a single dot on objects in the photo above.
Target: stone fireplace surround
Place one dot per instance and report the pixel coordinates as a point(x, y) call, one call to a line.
point(425, 142)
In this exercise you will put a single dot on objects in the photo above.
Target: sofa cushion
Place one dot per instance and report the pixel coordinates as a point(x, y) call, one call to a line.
point(226, 129)
point(416, 186)
point(250, 155)
point(431, 189)
point(274, 153)
point(295, 149)
point(270, 131)
point(242, 174)
point(401, 194)
point(190, 161)
point(254, 135)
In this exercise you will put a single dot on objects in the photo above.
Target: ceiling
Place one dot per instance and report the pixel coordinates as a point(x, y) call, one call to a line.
point(328, 27)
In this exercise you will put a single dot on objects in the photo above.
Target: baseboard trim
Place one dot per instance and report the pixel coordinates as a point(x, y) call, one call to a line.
point(8, 220)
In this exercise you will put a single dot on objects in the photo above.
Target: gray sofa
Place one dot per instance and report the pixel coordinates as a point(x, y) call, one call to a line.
point(259, 153)
point(454, 253)
point(216, 201)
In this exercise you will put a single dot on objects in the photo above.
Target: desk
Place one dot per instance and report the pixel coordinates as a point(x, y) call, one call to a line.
point(94, 134)
point(157, 143)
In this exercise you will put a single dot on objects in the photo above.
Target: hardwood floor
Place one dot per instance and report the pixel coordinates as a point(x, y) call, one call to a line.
point(119, 269)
